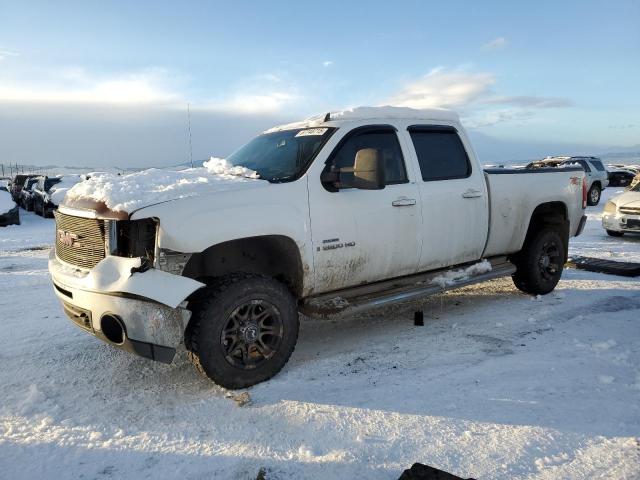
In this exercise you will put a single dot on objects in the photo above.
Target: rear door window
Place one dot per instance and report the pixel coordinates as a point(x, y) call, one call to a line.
point(440, 152)
point(598, 165)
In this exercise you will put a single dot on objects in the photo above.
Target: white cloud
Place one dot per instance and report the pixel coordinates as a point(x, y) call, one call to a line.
point(495, 44)
point(491, 118)
point(473, 95)
point(445, 89)
point(5, 52)
point(530, 101)
point(263, 93)
point(75, 85)
point(327, 63)
point(257, 102)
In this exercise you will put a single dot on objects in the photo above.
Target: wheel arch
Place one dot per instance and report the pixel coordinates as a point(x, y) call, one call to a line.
point(275, 256)
point(550, 214)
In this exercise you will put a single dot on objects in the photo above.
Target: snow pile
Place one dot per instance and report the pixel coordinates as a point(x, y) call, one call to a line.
point(454, 276)
point(59, 190)
point(6, 202)
point(221, 166)
point(135, 190)
point(388, 111)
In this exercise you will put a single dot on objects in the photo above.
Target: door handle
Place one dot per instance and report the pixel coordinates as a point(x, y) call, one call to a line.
point(471, 193)
point(404, 202)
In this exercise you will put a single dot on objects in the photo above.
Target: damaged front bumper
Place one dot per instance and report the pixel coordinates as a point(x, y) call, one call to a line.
point(142, 312)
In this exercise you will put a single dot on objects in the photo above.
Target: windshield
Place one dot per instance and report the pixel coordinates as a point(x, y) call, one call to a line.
point(282, 156)
point(50, 182)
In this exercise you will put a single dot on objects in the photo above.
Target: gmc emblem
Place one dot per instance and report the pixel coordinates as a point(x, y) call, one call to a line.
point(68, 239)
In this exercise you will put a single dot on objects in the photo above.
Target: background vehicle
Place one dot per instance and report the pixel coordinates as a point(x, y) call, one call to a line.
point(16, 186)
point(41, 203)
point(596, 174)
point(25, 197)
point(50, 191)
point(329, 216)
point(622, 213)
point(9, 211)
point(620, 177)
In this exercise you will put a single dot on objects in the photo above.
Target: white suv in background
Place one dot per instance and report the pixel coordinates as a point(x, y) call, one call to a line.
point(596, 173)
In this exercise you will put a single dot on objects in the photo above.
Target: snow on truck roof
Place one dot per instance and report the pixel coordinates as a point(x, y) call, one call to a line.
point(371, 113)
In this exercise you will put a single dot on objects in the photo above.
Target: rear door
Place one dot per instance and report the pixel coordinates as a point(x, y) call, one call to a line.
point(453, 194)
point(360, 236)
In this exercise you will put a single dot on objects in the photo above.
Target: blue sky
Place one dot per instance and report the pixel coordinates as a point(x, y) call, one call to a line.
point(555, 72)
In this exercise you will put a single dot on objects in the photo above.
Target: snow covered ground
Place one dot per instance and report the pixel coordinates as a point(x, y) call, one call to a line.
point(496, 385)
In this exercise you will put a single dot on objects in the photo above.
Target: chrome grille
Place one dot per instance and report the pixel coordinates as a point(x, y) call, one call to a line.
point(79, 241)
point(630, 210)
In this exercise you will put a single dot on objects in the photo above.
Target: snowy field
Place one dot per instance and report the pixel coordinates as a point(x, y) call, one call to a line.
point(496, 385)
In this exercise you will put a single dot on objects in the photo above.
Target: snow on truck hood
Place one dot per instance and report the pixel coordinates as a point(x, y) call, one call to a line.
point(127, 193)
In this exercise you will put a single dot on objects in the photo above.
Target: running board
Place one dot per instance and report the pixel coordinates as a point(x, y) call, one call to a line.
point(404, 289)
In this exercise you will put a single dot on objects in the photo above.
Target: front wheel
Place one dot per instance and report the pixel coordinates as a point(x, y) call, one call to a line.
point(243, 331)
point(613, 233)
point(593, 198)
point(540, 262)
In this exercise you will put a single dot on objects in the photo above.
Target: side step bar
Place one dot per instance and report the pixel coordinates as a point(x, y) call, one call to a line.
point(404, 289)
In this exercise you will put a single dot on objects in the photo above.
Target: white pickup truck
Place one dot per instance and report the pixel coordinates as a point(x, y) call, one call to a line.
point(347, 211)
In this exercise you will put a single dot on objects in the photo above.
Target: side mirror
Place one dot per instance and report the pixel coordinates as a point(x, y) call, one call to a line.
point(367, 173)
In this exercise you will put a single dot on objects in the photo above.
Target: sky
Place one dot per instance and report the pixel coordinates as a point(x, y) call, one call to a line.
point(108, 83)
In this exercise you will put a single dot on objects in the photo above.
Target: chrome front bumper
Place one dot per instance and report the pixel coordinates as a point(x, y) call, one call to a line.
point(621, 222)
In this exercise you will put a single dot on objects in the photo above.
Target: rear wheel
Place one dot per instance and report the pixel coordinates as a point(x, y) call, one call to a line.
point(243, 330)
point(540, 262)
point(613, 233)
point(593, 198)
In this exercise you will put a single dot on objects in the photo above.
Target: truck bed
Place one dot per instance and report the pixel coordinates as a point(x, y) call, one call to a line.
point(514, 193)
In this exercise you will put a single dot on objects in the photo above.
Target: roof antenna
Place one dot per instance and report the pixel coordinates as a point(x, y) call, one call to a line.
point(327, 117)
point(190, 146)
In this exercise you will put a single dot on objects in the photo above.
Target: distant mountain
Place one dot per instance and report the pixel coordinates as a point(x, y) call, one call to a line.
point(492, 150)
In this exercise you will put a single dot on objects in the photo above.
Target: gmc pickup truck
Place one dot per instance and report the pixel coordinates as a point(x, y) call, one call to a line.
point(344, 212)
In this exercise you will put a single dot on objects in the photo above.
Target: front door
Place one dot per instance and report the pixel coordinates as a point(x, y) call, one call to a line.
point(360, 236)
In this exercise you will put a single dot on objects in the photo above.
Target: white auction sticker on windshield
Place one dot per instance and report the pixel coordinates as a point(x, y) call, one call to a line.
point(311, 131)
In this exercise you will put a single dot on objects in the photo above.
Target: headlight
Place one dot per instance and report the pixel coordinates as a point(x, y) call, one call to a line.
point(610, 207)
point(133, 238)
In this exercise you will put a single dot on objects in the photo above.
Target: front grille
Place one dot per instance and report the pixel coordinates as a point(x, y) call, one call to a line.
point(633, 224)
point(630, 210)
point(79, 241)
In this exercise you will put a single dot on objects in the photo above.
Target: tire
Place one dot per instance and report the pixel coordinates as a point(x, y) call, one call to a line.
point(540, 262)
point(593, 197)
point(243, 330)
point(613, 233)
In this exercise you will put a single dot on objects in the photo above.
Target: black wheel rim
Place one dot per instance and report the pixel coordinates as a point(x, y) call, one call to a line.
point(252, 334)
point(549, 262)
